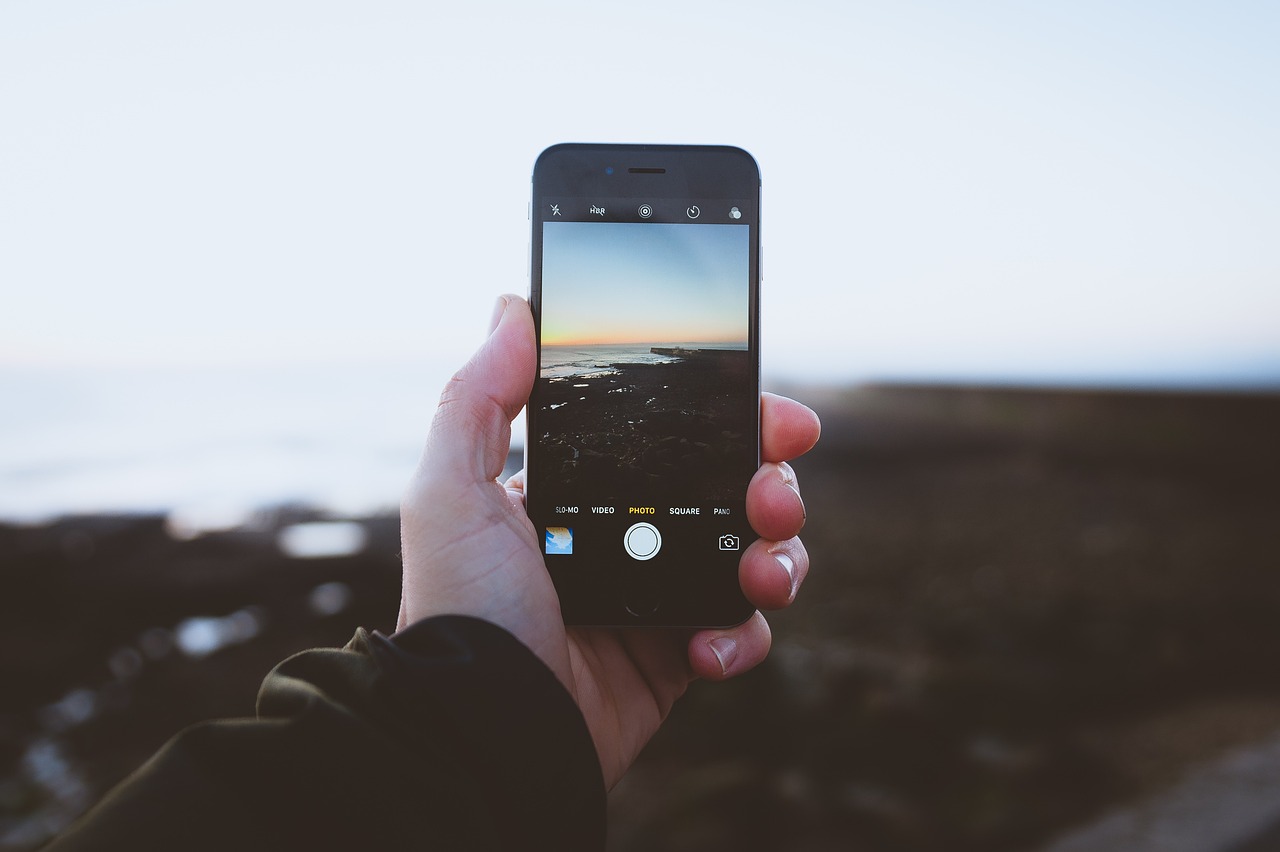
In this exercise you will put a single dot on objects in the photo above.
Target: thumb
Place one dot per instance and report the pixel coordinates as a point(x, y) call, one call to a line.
point(471, 433)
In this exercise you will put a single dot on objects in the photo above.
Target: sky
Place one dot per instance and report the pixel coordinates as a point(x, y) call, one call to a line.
point(632, 282)
point(1035, 193)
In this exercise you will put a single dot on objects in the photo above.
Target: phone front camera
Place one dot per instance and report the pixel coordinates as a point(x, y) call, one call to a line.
point(608, 170)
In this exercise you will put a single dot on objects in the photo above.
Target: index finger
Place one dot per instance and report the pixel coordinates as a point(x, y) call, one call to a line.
point(787, 428)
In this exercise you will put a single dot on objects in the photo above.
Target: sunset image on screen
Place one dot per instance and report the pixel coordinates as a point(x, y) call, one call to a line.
point(633, 283)
point(646, 377)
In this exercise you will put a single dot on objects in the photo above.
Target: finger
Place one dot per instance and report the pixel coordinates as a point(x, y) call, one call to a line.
point(515, 489)
point(774, 506)
point(722, 654)
point(771, 572)
point(788, 429)
point(471, 433)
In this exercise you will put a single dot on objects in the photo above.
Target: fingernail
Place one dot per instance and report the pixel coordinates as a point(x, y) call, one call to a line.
point(789, 566)
point(498, 310)
point(726, 651)
point(788, 477)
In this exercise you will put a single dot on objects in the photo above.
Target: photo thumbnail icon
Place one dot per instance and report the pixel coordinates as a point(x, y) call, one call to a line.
point(559, 540)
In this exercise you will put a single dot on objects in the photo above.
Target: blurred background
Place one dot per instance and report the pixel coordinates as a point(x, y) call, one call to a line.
point(1022, 259)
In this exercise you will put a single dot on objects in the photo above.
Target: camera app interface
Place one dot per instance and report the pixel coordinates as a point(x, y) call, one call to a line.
point(645, 410)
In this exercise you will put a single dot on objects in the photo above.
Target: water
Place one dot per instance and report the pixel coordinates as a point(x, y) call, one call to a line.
point(564, 361)
point(211, 443)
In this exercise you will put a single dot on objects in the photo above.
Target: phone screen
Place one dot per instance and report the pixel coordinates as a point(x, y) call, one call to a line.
point(644, 417)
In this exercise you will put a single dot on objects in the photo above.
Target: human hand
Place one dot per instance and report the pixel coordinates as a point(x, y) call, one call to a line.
point(470, 549)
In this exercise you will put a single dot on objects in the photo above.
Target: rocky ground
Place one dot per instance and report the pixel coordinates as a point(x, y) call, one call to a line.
point(1025, 609)
point(680, 424)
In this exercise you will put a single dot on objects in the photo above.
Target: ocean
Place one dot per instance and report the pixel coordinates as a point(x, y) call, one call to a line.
point(210, 445)
point(563, 361)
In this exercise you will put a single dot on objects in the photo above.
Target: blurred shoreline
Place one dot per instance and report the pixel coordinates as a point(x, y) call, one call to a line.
point(1027, 607)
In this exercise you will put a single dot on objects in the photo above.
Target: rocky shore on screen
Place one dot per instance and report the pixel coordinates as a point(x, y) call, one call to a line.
point(685, 424)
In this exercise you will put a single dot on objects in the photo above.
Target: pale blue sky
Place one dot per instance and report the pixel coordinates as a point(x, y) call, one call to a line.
point(989, 191)
point(631, 282)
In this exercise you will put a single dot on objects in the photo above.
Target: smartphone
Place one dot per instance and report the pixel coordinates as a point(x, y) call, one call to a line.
point(644, 420)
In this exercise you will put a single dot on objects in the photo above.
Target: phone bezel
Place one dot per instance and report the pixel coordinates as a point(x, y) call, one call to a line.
point(693, 598)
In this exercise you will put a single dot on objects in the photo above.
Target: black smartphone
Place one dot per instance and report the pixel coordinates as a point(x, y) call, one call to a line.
point(644, 421)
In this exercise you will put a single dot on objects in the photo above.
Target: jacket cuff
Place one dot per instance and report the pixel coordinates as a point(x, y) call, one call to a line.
point(518, 731)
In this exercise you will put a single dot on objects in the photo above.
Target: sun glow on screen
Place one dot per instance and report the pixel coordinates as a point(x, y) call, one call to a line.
point(636, 283)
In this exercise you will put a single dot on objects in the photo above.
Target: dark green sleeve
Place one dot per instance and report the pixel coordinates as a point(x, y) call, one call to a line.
point(448, 735)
